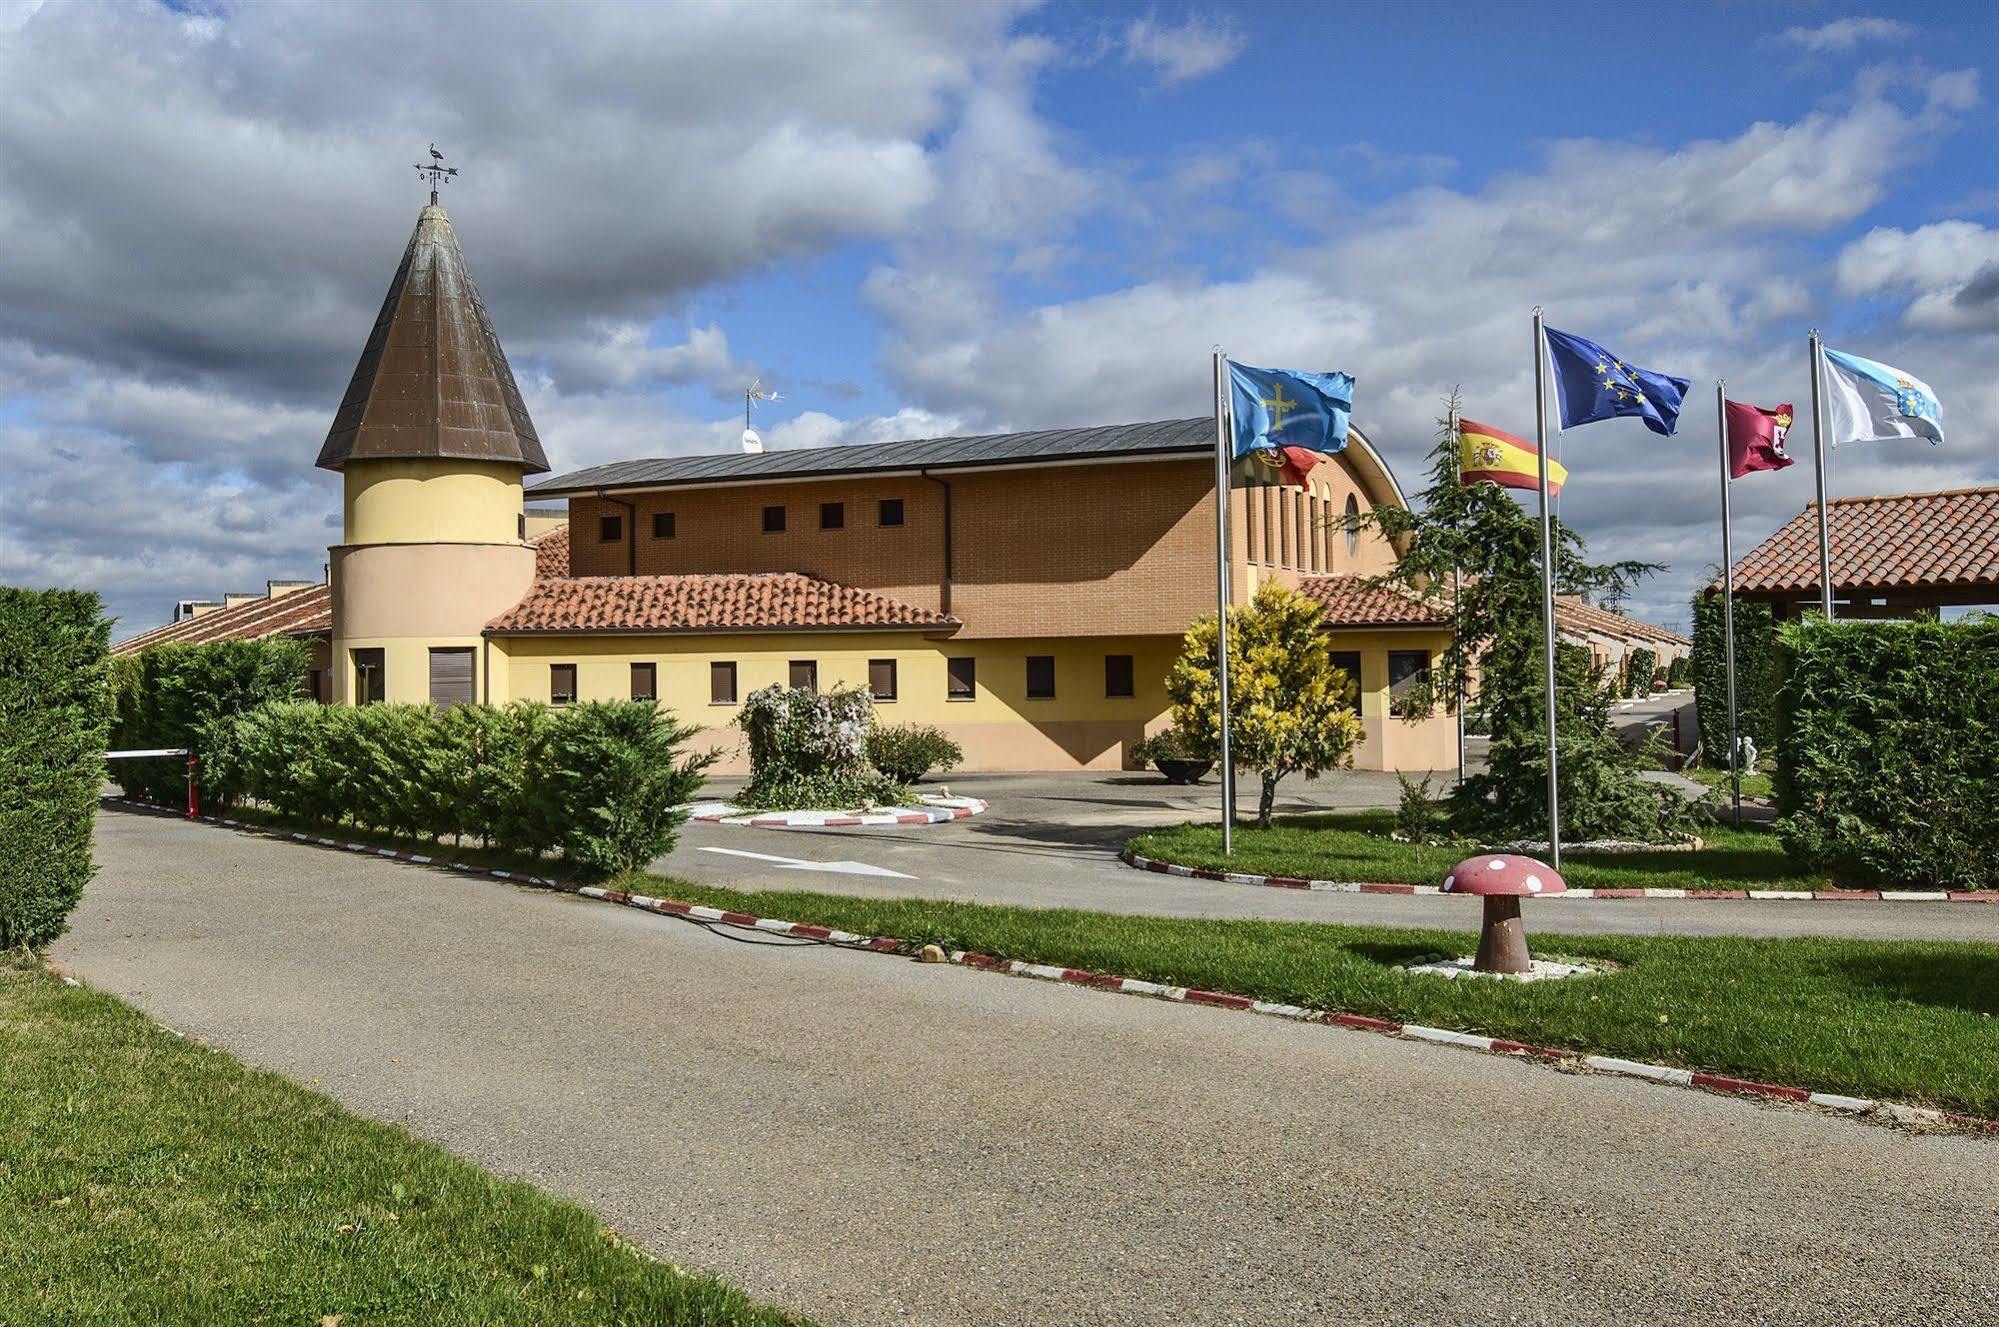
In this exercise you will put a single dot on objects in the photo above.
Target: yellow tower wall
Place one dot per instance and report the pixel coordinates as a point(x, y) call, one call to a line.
point(431, 501)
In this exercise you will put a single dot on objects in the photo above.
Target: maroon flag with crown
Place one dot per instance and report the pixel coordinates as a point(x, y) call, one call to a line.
point(1756, 438)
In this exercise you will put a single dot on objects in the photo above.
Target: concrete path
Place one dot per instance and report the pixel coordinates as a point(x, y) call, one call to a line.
point(872, 1141)
point(1051, 841)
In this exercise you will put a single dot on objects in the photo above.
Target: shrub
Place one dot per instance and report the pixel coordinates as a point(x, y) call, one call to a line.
point(169, 696)
point(54, 718)
point(617, 777)
point(1643, 666)
point(905, 752)
point(810, 749)
point(1416, 816)
point(1888, 751)
point(1677, 672)
point(1170, 743)
point(1755, 676)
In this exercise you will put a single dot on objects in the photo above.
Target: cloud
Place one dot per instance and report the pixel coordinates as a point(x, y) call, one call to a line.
point(1194, 48)
point(1846, 34)
point(1951, 267)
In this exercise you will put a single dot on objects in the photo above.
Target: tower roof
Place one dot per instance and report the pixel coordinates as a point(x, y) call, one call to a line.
point(432, 380)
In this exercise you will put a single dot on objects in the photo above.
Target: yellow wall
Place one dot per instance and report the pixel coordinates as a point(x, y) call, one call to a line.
point(431, 501)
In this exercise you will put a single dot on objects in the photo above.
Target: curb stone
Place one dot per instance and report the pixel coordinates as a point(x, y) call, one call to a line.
point(1863, 1108)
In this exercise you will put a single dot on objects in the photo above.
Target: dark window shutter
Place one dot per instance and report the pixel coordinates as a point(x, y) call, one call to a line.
point(722, 683)
point(1041, 677)
point(561, 683)
point(891, 511)
point(610, 529)
point(662, 525)
point(832, 515)
point(881, 678)
point(645, 681)
point(773, 520)
point(963, 678)
point(451, 677)
point(805, 674)
point(1117, 675)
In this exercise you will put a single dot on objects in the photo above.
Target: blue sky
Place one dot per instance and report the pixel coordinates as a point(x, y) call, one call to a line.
point(921, 219)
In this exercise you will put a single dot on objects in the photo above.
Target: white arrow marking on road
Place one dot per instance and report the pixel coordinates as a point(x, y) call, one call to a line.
point(796, 864)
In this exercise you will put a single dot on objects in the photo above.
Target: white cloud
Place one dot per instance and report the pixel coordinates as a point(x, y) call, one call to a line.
point(1193, 48)
point(621, 355)
point(1952, 268)
point(1846, 34)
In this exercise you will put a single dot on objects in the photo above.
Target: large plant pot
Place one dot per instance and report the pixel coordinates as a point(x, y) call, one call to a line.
point(1183, 771)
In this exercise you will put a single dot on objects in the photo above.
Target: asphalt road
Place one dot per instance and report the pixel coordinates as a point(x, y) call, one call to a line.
point(872, 1141)
point(1051, 840)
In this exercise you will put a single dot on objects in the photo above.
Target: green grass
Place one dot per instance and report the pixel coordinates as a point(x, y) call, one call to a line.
point(1354, 845)
point(147, 1179)
point(1755, 783)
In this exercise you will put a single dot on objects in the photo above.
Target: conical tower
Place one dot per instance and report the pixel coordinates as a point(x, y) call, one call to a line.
point(431, 441)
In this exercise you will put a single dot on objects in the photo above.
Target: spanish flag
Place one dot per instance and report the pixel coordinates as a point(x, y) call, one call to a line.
point(1492, 456)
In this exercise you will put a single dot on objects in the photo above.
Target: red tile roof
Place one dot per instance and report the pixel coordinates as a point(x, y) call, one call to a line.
point(551, 553)
point(1900, 541)
point(1354, 601)
point(304, 612)
point(1574, 617)
point(742, 601)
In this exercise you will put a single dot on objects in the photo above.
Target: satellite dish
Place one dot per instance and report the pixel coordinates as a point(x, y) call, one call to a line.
point(751, 442)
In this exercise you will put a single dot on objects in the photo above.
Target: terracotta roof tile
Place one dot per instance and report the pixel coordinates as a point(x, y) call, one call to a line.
point(1900, 541)
point(303, 612)
point(744, 601)
point(551, 553)
point(1353, 601)
point(1573, 616)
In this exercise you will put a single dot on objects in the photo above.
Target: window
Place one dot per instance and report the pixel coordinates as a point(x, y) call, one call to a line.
point(662, 525)
point(1041, 677)
point(451, 677)
point(370, 687)
point(881, 678)
point(961, 679)
point(805, 674)
point(1264, 497)
point(315, 682)
point(1353, 524)
point(1348, 662)
point(722, 683)
point(561, 683)
point(832, 515)
point(1408, 670)
point(1117, 675)
point(891, 511)
point(773, 520)
point(645, 681)
point(610, 529)
point(523, 527)
point(1287, 534)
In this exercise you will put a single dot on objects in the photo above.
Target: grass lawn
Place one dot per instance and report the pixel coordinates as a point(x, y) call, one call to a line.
point(1354, 845)
point(148, 1180)
point(1755, 783)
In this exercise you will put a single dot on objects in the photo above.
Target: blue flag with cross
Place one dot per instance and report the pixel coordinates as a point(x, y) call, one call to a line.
point(1286, 421)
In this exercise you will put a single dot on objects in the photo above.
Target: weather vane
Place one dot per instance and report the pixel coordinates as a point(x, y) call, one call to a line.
point(436, 172)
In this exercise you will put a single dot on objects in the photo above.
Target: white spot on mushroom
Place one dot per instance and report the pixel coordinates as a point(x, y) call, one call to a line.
point(1496, 864)
point(1450, 880)
point(1533, 884)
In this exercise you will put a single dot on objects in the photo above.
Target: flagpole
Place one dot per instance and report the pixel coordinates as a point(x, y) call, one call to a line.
point(1457, 587)
point(1222, 593)
point(1728, 599)
point(1818, 465)
point(1547, 587)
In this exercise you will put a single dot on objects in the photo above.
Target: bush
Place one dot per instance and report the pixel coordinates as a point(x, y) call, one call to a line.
point(1755, 676)
point(810, 750)
point(1888, 751)
point(1642, 665)
point(1677, 673)
point(171, 695)
point(600, 782)
point(905, 752)
point(1417, 818)
point(1171, 743)
point(54, 718)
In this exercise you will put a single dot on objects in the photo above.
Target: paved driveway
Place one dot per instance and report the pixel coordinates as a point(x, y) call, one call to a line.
point(873, 1141)
point(1051, 840)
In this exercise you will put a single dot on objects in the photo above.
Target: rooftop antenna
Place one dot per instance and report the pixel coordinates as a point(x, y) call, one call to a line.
point(751, 395)
point(436, 172)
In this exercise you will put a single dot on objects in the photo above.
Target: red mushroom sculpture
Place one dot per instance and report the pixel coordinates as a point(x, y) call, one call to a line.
point(1502, 880)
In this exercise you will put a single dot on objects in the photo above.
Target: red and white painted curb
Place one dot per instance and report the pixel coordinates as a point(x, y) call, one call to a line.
point(1153, 864)
point(1861, 1107)
point(933, 811)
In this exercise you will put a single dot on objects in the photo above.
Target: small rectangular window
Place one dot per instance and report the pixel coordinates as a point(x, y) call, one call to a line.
point(523, 527)
point(451, 677)
point(662, 525)
point(722, 683)
point(1041, 677)
point(610, 529)
point(561, 683)
point(891, 511)
point(1348, 662)
point(370, 686)
point(881, 678)
point(773, 520)
point(645, 681)
point(1407, 672)
point(1117, 675)
point(804, 675)
point(832, 515)
point(311, 688)
point(962, 678)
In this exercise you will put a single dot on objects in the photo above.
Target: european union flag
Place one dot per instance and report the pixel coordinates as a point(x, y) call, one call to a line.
point(1286, 420)
point(1594, 384)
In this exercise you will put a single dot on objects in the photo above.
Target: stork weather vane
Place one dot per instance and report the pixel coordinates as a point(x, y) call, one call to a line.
point(436, 172)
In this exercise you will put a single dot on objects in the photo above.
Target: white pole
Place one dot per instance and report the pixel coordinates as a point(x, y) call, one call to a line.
point(1547, 589)
point(1818, 465)
point(1222, 413)
point(1728, 600)
point(1457, 590)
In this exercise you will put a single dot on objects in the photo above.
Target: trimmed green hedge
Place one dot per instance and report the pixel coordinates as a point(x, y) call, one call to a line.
point(1641, 666)
point(1888, 751)
point(170, 695)
point(54, 717)
point(1755, 676)
point(598, 782)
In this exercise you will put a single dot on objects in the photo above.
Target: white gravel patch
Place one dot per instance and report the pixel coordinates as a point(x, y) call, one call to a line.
point(1442, 965)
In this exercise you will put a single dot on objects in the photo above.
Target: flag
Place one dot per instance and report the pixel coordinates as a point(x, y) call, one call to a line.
point(1756, 438)
point(1493, 456)
point(1285, 423)
point(1870, 402)
point(1594, 384)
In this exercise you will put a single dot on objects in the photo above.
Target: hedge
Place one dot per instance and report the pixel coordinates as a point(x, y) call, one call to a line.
point(1641, 666)
point(54, 718)
point(170, 695)
point(1755, 676)
point(1888, 751)
point(598, 782)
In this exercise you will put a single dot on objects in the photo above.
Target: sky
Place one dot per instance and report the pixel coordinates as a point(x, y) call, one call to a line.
point(913, 220)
